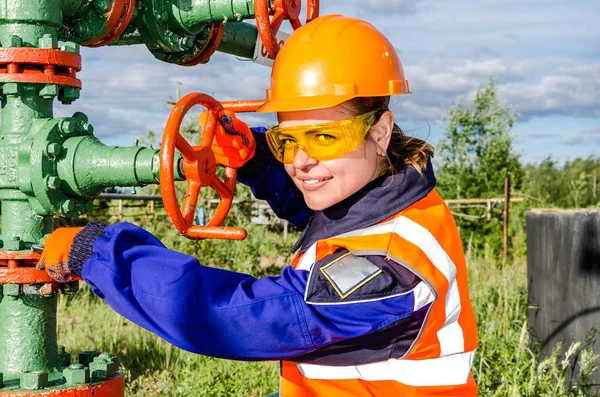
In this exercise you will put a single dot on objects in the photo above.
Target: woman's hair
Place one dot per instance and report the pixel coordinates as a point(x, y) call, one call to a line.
point(403, 150)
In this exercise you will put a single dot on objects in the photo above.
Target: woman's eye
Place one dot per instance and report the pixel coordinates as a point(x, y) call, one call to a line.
point(322, 138)
point(287, 141)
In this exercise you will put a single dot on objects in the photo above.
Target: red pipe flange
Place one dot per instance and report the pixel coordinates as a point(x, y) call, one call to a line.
point(19, 268)
point(39, 65)
point(212, 43)
point(117, 20)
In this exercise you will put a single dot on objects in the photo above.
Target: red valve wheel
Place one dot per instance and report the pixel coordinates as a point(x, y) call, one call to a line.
point(283, 9)
point(199, 166)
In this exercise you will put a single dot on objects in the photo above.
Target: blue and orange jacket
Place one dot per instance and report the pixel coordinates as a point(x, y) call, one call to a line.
point(375, 303)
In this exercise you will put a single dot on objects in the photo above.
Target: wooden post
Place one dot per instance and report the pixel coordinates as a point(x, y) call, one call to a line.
point(505, 217)
point(595, 183)
point(120, 216)
point(285, 230)
point(488, 209)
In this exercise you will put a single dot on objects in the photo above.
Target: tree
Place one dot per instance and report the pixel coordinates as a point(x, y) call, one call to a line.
point(476, 154)
point(477, 150)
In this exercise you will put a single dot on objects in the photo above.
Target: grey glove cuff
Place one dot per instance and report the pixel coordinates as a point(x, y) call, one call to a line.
point(83, 246)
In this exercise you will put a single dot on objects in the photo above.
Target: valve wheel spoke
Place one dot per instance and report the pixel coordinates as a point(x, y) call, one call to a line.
point(277, 20)
point(185, 148)
point(190, 200)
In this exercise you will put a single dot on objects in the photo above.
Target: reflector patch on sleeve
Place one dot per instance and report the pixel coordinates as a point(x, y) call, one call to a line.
point(348, 273)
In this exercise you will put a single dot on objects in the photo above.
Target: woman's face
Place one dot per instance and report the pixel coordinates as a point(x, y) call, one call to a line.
point(325, 183)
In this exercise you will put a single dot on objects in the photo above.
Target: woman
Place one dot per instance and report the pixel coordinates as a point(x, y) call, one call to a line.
point(376, 300)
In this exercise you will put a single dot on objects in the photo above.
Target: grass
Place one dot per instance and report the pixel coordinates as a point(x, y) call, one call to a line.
point(505, 363)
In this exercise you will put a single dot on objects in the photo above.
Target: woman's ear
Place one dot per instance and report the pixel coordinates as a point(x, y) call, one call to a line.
point(381, 132)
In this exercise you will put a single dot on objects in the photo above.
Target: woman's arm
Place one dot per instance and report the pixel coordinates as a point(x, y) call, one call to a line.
point(233, 315)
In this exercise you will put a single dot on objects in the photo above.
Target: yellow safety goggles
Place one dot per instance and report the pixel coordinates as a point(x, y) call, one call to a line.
point(321, 142)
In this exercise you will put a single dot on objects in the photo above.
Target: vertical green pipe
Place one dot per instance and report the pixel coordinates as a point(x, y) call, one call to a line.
point(22, 105)
point(27, 322)
point(28, 329)
point(29, 20)
point(19, 220)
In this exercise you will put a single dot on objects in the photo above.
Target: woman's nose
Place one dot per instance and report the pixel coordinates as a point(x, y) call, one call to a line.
point(302, 159)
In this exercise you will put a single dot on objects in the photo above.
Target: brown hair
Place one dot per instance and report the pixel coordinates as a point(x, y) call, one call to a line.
point(403, 150)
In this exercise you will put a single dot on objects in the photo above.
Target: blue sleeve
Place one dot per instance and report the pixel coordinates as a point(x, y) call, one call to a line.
point(269, 181)
point(221, 313)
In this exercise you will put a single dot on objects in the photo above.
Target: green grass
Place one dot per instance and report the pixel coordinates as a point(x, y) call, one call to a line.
point(505, 364)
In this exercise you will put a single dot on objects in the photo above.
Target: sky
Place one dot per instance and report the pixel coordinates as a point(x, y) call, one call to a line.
point(543, 54)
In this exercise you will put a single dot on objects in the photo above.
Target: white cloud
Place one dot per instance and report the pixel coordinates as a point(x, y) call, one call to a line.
point(584, 136)
point(535, 88)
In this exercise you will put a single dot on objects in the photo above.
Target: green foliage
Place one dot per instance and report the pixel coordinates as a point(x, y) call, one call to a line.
point(506, 364)
point(572, 184)
point(476, 153)
point(477, 148)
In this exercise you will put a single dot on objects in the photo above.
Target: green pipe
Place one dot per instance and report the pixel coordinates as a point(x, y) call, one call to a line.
point(23, 23)
point(193, 15)
point(28, 329)
point(128, 38)
point(71, 8)
point(239, 39)
point(89, 166)
point(20, 224)
point(22, 105)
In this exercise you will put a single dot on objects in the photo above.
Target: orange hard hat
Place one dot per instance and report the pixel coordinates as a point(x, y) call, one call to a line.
point(330, 60)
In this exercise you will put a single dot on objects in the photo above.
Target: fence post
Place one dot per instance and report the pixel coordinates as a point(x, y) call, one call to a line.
point(505, 216)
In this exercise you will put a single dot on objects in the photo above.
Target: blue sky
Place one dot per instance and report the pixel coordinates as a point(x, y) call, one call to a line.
point(544, 55)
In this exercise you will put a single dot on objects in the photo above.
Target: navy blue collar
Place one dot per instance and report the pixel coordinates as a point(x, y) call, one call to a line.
point(378, 200)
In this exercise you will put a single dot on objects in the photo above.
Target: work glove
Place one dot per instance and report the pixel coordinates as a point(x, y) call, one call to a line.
point(67, 249)
point(233, 144)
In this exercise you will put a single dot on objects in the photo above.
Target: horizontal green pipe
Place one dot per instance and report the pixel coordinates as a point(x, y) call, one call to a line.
point(239, 39)
point(89, 166)
point(193, 15)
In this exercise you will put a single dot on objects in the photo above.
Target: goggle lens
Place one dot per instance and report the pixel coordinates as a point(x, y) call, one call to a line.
point(321, 142)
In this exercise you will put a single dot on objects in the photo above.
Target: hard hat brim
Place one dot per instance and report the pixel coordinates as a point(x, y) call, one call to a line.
point(303, 103)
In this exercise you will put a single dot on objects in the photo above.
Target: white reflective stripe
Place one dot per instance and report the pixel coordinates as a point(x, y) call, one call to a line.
point(423, 295)
point(450, 336)
point(308, 259)
point(442, 371)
